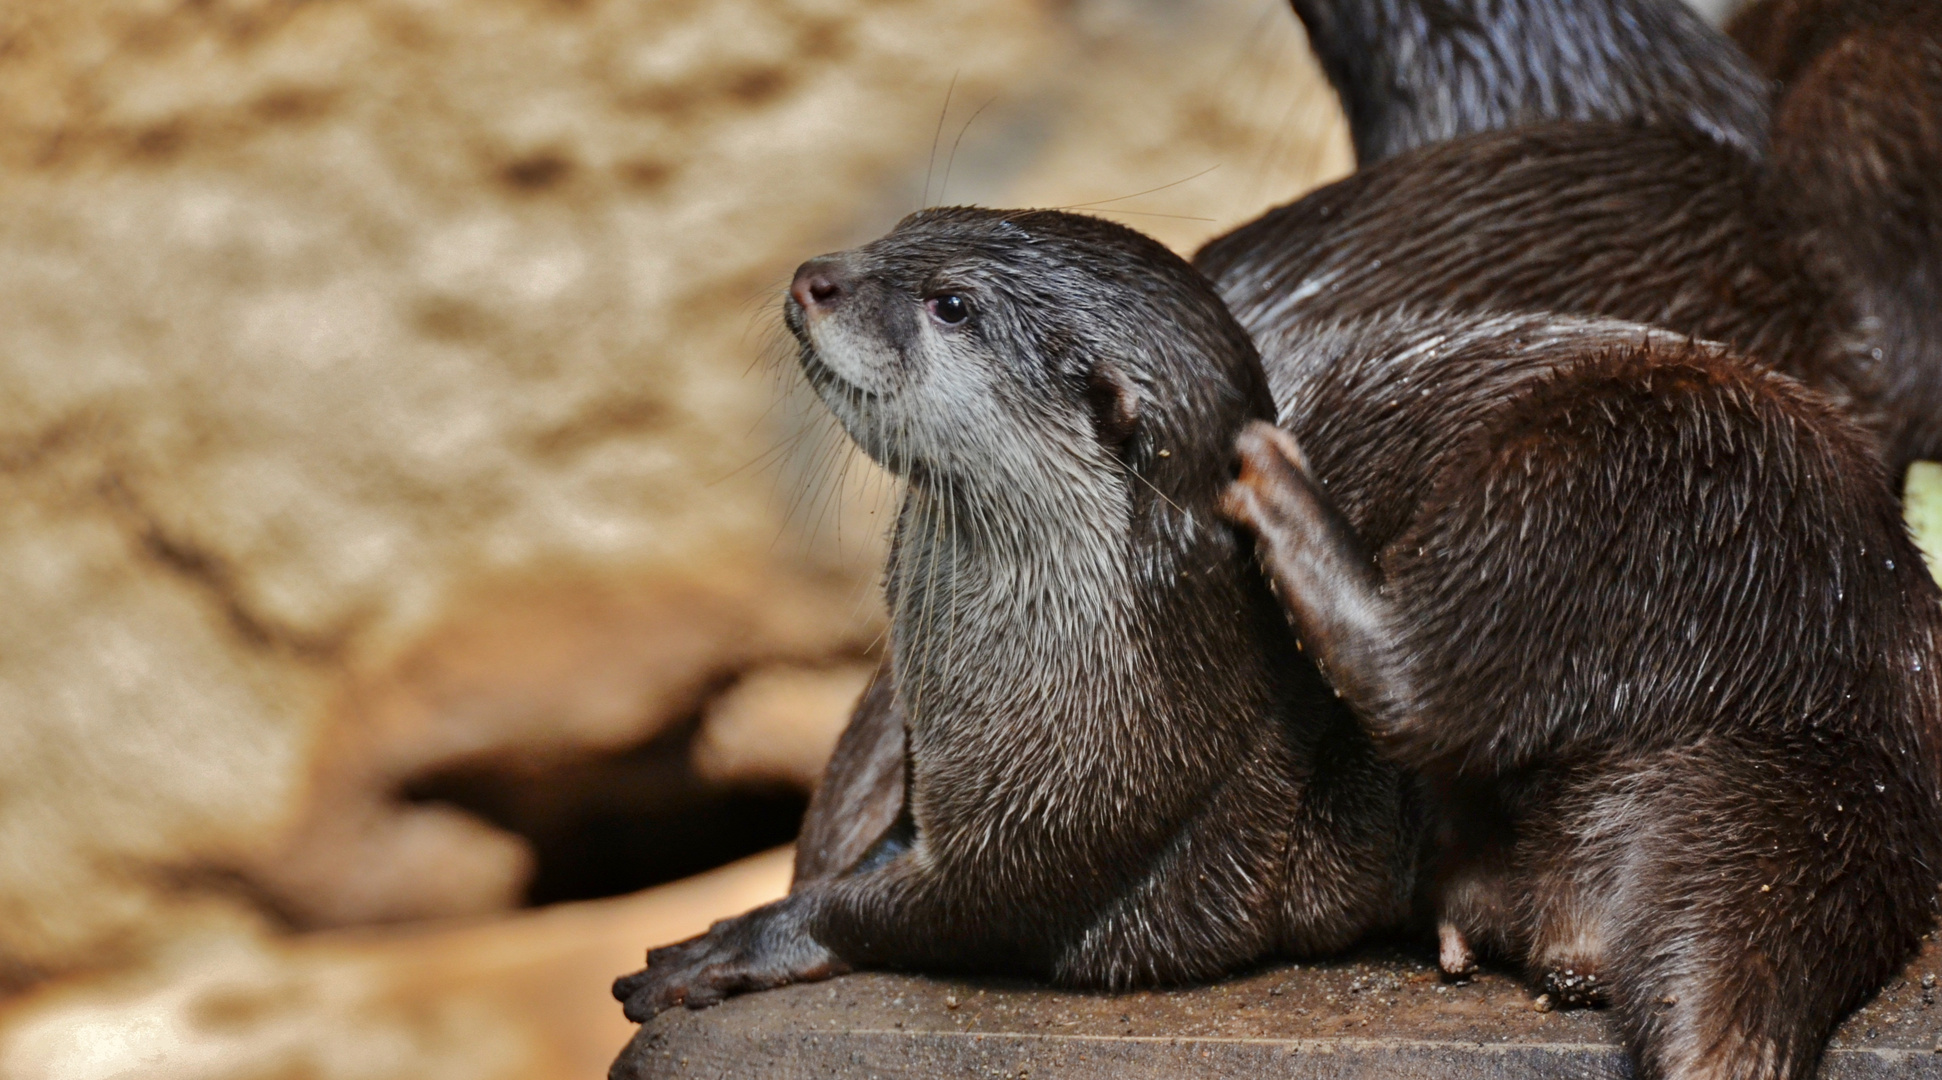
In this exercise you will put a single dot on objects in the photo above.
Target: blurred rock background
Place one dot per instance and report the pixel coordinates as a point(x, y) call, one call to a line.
point(418, 574)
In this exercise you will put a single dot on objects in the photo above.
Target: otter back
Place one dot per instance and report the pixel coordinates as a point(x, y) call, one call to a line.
point(1643, 616)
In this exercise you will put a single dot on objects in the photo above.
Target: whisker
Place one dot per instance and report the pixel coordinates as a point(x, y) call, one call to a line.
point(944, 193)
point(885, 484)
point(1137, 194)
point(1130, 471)
point(833, 496)
point(776, 452)
point(931, 169)
point(951, 639)
point(772, 352)
point(1149, 213)
point(812, 481)
point(1282, 60)
point(1279, 144)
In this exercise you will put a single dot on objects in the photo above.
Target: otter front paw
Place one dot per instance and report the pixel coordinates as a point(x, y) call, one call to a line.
point(761, 950)
point(1453, 952)
point(1574, 988)
point(1326, 581)
point(1272, 490)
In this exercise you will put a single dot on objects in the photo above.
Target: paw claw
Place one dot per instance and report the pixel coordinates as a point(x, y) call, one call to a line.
point(628, 985)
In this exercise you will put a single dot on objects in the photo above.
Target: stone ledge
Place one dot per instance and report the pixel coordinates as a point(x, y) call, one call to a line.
point(1381, 1013)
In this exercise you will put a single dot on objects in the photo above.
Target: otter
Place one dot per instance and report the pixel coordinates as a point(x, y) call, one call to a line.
point(1114, 769)
point(1638, 612)
point(1654, 225)
point(1411, 73)
point(1643, 618)
point(1856, 165)
point(1614, 158)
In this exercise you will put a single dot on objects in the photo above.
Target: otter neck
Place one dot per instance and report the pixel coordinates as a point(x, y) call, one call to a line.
point(1046, 667)
point(1052, 581)
point(992, 604)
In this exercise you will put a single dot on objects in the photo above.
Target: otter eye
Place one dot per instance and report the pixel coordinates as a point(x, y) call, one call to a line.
point(949, 308)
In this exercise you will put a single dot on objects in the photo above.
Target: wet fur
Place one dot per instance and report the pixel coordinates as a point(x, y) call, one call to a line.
point(1645, 620)
point(1817, 249)
point(1412, 73)
point(1856, 164)
point(1117, 770)
point(1656, 226)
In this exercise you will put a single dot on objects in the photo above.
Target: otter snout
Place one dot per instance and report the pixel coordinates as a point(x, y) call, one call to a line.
point(821, 286)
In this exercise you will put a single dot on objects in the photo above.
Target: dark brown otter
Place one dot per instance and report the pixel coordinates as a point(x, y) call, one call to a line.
point(1115, 769)
point(1856, 162)
point(1654, 225)
point(1645, 619)
point(1835, 243)
point(1411, 73)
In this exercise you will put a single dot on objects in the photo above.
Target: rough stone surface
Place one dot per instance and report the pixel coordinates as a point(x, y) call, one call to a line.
point(1384, 1013)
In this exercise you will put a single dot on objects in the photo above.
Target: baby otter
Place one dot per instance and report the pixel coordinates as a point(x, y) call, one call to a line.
point(1116, 771)
point(1644, 618)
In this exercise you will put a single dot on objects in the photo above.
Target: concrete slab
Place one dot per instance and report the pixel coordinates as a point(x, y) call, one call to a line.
point(1382, 1013)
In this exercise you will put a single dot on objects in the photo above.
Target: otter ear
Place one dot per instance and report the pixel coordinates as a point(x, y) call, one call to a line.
point(1115, 405)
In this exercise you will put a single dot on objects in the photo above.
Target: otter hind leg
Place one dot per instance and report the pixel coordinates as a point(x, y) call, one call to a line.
point(1472, 881)
point(1569, 941)
point(1759, 902)
point(1573, 894)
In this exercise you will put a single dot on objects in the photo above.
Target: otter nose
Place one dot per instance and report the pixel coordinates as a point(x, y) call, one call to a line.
point(820, 285)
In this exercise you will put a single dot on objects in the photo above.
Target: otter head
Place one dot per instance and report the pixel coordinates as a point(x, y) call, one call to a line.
point(1031, 357)
point(1062, 396)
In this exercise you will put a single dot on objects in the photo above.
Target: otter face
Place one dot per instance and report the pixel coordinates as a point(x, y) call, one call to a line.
point(993, 351)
